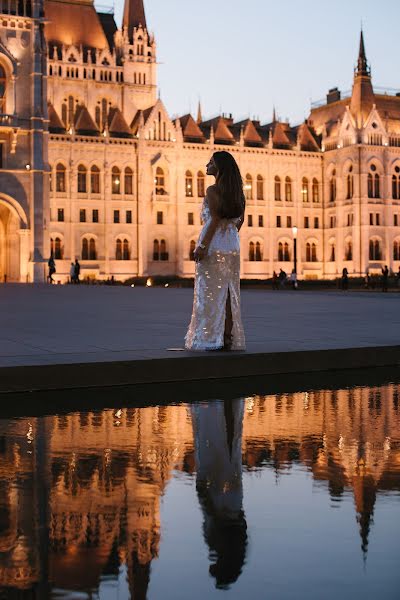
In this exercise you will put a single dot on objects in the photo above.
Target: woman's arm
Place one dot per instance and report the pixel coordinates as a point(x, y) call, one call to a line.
point(240, 221)
point(212, 200)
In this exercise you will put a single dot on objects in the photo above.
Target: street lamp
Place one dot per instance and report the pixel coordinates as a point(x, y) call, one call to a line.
point(294, 231)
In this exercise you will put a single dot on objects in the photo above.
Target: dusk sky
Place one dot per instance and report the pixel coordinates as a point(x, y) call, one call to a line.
point(244, 56)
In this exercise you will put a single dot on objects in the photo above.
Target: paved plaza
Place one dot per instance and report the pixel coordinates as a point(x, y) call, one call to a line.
point(102, 325)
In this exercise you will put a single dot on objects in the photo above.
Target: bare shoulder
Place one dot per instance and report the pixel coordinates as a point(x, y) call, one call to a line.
point(212, 191)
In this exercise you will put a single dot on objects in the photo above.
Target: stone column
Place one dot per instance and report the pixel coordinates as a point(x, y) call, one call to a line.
point(25, 270)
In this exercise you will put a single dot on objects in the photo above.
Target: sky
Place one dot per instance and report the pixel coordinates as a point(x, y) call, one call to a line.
point(246, 56)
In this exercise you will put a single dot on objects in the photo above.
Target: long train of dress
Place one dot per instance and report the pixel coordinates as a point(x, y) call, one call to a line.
point(216, 274)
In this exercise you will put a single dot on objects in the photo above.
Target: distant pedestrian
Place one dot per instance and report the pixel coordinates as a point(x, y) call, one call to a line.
point(367, 281)
point(77, 271)
point(385, 279)
point(72, 273)
point(293, 279)
point(345, 279)
point(282, 278)
point(275, 285)
point(398, 277)
point(52, 269)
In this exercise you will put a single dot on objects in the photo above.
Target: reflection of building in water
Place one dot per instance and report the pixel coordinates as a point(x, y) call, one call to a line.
point(217, 429)
point(350, 438)
point(105, 474)
point(80, 494)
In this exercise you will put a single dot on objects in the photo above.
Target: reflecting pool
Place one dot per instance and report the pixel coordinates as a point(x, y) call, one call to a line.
point(286, 496)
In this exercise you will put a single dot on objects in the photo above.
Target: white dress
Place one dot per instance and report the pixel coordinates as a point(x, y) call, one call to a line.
point(216, 273)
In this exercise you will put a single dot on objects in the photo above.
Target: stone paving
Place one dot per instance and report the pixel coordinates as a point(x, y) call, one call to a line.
point(102, 325)
point(44, 325)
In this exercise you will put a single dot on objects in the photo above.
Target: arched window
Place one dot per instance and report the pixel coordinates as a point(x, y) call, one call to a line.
point(60, 178)
point(348, 250)
point(252, 254)
point(396, 183)
point(332, 186)
point(126, 251)
point(350, 183)
point(115, 181)
point(156, 250)
point(304, 189)
point(128, 181)
point(308, 252)
point(57, 249)
point(163, 250)
point(396, 250)
point(260, 187)
point(85, 249)
point(277, 188)
point(258, 251)
point(315, 190)
point(313, 252)
point(188, 184)
point(375, 252)
point(373, 183)
point(201, 187)
point(118, 249)
point(82, 178)
point(288, 189)
point(332, 253)
point(92, 249)
point(280, 251)
point(160, 182)
point(3, 89)
point(95, 180)
point(248, 188)
point(192, 247)
point(286, 253)
point(370, 186)
point(377, 186)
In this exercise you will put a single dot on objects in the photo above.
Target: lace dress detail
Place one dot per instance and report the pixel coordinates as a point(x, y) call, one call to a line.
point(216, 274)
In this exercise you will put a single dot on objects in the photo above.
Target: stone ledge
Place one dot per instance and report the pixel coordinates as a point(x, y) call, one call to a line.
point(203, 367)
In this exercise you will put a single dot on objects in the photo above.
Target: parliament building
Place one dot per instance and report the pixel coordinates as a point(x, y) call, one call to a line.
point(93, 167)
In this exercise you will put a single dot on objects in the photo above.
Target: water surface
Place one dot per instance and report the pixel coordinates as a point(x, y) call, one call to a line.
point(285, 496)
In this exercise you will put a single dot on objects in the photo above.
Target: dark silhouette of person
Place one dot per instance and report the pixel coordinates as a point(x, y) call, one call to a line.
point(275, 280)
point(52, 269)
point(385, 279)
point(218, 442)
point(345, 279)
point(77, 270)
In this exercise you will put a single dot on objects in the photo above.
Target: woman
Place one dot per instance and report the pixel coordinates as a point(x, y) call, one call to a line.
point(216, 321)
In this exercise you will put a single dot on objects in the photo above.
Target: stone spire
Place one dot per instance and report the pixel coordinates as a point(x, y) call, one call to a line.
point(199, 115)
point(134, 16)
point(362, 65)
point(362, 97)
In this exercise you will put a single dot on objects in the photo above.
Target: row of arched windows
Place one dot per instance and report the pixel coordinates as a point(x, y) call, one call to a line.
point(255, 252)
point(89, 250)
point(201, 184)
point(284, 190)
point(90, 180)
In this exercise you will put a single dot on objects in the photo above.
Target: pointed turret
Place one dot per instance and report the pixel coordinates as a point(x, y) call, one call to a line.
point(362, 65)
point(199, 115)
point(362, 97)
point(134, 16)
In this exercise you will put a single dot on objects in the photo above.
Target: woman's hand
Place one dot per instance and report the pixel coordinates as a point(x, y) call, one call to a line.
point(199, 253)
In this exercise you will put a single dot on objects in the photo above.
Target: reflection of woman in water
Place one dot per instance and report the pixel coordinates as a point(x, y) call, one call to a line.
point(218, 442)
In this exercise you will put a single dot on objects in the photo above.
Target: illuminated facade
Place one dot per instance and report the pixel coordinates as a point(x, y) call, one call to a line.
point(93, 167)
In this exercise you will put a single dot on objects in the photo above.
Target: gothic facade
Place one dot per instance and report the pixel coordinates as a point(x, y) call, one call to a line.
point(93, 167)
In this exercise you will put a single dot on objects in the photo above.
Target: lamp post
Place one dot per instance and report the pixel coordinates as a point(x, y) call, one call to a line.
point(294, 231)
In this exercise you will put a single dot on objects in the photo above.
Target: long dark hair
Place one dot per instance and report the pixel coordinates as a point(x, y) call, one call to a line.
point(229, 186)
